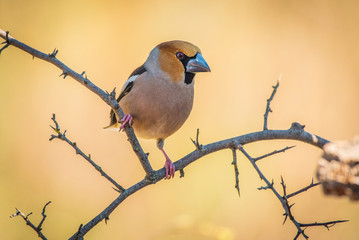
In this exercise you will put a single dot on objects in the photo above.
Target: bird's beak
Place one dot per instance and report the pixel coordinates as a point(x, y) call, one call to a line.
point(197, 64)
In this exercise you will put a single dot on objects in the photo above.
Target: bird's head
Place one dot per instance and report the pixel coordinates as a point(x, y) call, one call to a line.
point(180, 60)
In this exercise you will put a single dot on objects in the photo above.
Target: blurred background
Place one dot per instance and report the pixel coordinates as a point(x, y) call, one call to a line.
point(248, 44)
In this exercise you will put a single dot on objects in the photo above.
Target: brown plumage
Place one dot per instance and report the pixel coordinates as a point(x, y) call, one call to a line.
point(158, 96)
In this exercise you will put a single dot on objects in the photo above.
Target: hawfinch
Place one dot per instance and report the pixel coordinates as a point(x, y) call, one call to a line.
point(157, 98)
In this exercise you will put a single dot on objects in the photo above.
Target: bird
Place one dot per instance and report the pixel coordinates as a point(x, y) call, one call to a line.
point(157, 98)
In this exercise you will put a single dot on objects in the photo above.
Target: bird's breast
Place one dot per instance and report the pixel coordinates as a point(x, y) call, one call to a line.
point(159, 108)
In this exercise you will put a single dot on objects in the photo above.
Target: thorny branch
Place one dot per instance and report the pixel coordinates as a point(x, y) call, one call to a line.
point(107, 98)
point(284, 199)
point(269, 100)
point(236, 172)
point(272, 153)
point(295, 132)
point(37, 229)
point(62, 136)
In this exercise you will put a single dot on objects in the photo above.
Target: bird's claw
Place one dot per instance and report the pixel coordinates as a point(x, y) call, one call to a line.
point(126, 119)
point(170, 169)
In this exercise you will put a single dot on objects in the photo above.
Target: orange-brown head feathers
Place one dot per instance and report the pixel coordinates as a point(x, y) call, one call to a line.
point(175, 58)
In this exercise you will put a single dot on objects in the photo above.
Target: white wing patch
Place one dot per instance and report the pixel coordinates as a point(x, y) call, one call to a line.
point(131, 79)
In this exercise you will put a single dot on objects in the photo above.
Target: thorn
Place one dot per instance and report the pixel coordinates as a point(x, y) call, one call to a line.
point(116, 190)
point(53, 54)
point(112, 95)
point(7, 42)
point(196, 143)
point(28, 215)
point(285, 218)
point(266, 187)
point(181, 173)
point(82, 74)
point(64, 73)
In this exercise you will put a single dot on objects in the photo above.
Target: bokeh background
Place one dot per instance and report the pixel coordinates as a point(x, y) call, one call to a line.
point(248, 44)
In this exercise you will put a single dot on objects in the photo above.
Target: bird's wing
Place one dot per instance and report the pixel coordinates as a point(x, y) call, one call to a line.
point(125, 90)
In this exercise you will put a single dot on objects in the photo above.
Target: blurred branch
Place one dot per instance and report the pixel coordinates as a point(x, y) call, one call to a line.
point(295, 132)
point(62, 136)
point(37, 229)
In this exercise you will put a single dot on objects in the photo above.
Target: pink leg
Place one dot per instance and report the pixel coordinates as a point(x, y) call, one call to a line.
point(170, 167)
point(126, 119)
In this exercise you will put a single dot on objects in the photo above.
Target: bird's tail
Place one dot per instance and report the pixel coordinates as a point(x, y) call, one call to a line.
point(112, 127)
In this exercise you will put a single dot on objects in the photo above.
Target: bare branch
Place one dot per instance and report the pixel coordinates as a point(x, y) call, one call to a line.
point(303, 189)
point(284, 199)
point(37, 229)
point(236, 172)
point(66, 71)
point(63, 137)
point(107, 211)
point(328, 225)
point(196, 143)
point(268, 109)
point(295, 132)
point(272, 153)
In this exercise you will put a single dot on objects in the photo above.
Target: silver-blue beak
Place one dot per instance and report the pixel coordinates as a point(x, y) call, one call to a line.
point(197, 64)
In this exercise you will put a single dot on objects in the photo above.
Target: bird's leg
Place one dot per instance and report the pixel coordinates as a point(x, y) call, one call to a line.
point(169, 166)
point(126, 119)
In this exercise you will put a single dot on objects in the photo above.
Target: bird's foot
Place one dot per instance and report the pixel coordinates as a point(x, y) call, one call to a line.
point(126, 119)
point(170, 169)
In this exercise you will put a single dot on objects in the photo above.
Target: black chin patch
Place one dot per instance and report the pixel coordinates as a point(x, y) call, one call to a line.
point(188, 79)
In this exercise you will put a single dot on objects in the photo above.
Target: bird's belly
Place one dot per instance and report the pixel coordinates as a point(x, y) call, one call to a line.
point(161, 116)
point(161, 122)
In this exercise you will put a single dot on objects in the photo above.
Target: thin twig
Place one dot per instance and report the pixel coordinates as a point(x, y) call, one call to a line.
point(272, 153)
point(62, 136)
point(268, 109)
point(271, 187)
point(327, 225)
point(236, 172)
point(196, 143)
point(312, 184)
point(37, 229)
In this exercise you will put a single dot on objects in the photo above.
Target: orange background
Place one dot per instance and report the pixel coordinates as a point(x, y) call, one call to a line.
point(313, 44)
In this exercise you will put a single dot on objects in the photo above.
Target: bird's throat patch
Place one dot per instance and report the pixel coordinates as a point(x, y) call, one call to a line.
point(188, 77)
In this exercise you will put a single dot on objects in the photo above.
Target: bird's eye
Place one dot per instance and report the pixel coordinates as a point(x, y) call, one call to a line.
point(180, 55)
